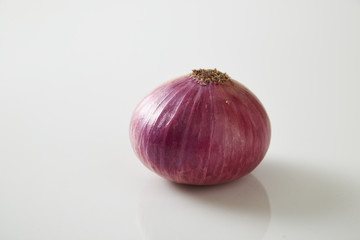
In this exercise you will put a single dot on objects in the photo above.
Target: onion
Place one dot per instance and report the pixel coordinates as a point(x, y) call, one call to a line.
point(201, 129)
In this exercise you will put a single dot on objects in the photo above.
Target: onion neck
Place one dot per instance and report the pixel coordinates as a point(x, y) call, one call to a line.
point(208, 76)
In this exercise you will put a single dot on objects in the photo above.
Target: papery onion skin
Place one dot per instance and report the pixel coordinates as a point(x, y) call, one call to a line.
point(200, 134)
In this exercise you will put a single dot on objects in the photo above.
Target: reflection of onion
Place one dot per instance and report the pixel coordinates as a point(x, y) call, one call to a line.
point(201, 129)
point(238, 210)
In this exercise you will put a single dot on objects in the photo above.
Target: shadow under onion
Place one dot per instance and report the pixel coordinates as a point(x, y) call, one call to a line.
point(300, 191)
point(173, 211)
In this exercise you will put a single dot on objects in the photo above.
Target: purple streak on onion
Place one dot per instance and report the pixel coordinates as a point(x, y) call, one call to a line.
point(202, 129)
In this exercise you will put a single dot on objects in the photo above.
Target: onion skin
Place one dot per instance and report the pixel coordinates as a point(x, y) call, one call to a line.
point(200, 134)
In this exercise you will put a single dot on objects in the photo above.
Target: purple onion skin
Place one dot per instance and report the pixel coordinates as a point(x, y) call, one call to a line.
point(200, 134)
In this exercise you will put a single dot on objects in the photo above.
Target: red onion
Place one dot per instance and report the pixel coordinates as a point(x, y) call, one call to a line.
point(202, 129)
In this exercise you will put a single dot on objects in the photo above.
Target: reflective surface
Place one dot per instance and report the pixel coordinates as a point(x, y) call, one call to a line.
point(172, 211)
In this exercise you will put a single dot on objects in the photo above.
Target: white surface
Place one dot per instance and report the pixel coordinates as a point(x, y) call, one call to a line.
point(71, 72)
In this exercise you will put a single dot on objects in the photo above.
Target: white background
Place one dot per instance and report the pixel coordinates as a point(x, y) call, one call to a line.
point(71, 73)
